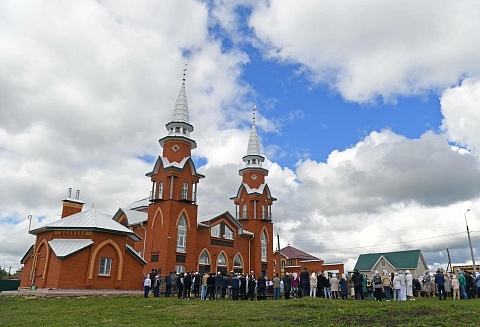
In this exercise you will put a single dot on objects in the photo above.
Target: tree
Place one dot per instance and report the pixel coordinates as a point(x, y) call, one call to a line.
point(3, 273)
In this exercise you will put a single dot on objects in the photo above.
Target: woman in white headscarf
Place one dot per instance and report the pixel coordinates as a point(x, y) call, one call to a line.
point(334, 286)
point(403, 286)
point(313, 285)
point(295, 285)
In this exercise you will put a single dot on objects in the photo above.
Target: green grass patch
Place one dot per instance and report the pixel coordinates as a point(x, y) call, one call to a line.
point(136, 311)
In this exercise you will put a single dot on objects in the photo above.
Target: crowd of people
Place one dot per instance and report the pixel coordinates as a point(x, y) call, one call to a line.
point(396, 286)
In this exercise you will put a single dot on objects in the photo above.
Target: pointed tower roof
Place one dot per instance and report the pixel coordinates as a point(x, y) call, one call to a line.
point(180, 111)
point(253, 142)
point(254, 157)
point(179, 126)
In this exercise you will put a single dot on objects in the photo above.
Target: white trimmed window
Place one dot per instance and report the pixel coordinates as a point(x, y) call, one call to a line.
point(215, 231)
point(194, 196)
point(160, 190)
point(204, 258)
point(105, 266)
point(263, 247)
point(244, 211)
point(222, 260)
point(179, 269)
point(182, 235)
point(228, 233)
point(221, 230)
point(185, 191)
point(237, 262)
point(264, 211)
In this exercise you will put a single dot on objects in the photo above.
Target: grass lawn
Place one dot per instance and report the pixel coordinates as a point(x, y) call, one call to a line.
point(136, 311)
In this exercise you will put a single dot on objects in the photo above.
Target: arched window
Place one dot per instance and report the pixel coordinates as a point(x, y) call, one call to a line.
point(222, 260)
point(237, 262)
point(182, 234)
point(204, 258)
point(204, 262)
point(263, 247)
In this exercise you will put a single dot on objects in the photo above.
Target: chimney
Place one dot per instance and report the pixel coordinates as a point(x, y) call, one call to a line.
point(71, 205)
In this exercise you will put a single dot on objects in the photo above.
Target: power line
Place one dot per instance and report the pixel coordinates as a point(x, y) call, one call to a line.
point(388, 244)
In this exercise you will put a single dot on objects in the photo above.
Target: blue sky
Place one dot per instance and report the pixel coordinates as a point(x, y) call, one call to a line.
point(367, 114)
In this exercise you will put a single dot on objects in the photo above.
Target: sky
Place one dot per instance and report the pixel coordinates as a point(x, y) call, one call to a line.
point(367, 112)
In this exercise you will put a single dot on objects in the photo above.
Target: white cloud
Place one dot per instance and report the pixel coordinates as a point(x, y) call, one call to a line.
point(460, 108)
point(371, 49)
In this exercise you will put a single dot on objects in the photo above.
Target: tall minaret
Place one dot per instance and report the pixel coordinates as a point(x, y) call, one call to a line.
point(253, 204)
point(172, 213)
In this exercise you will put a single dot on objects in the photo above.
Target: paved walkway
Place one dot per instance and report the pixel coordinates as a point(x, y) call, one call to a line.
point(69, 292)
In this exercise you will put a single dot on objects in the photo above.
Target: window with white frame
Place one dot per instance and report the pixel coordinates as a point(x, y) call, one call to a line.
point(204, 258)
point(160, 190)
point(222, 260)
point(179, 268)
point(194, 196)
point(228, 233)
point(215, 231)
point(185, 191)
point(105, 266)
point(221, 230)
point(182, 234)
point(263, 212)
point(237, 261)
point(263, 247)
point(383, 263)
point(244, 211)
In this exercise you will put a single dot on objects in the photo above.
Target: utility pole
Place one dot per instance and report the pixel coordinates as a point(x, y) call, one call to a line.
point(449, 263)
point(470, 243)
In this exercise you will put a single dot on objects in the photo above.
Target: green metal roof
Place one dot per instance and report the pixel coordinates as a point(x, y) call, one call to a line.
point(399, 260)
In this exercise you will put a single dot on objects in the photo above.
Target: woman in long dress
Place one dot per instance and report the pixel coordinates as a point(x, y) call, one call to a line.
point(334, 286)
point(403, 286)
point(448, 284)
point(344, 287)
point(409, 282)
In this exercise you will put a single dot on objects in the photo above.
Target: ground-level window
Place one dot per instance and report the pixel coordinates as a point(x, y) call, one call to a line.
point(180, 269)
point(237, 261)
point(105, 266)
point(204, 258)
point(222, 260)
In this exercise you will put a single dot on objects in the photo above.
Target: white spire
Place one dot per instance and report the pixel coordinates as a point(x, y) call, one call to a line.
point(179, 126)
point(254, 157)
point(253, 142)
point(180, 111)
